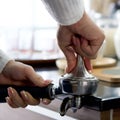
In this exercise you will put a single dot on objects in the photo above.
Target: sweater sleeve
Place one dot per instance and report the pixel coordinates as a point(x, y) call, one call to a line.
point(3, 60)
point(65, 12)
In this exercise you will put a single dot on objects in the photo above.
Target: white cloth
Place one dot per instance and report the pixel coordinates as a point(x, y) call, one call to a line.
point(65, 12)
point(3, 60)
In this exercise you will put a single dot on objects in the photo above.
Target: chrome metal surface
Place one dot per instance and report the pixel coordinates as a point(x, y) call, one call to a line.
point(79, 81)
point(73, 102)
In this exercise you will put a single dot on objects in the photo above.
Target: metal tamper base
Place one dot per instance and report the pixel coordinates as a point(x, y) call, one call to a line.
point(79, 81)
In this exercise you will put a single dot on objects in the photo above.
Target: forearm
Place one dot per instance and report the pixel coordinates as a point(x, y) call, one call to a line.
point(3, 60)
point(65, 12)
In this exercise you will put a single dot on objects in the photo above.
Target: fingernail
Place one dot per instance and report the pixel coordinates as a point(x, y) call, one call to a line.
point(48, 81)
point(45, 101)
point(90, 71)
point(7, 99)
point(24, 94)
point(10, 91)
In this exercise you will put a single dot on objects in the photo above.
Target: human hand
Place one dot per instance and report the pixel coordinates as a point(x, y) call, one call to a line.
point(16, 73)
point(84, 38)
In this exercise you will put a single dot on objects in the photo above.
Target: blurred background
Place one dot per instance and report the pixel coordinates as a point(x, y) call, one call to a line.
point(27, 31)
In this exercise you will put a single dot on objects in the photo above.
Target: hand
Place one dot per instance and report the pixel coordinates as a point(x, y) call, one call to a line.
point(83, 38)
point(16, 73)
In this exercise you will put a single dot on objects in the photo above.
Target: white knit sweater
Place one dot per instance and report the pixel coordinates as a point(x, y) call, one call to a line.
point(65, 12)
point(3, 60)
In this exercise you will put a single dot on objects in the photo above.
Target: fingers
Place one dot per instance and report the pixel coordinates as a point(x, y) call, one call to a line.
point(87, 63)
point(71, 58)
point(89, 48)
point(46, 101)
point(83, 48)
point(15, 100)
point(28, 99)
point(11, 103)
point(77, 46)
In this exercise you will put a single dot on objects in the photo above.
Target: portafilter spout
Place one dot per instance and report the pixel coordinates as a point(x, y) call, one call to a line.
point(79, 82)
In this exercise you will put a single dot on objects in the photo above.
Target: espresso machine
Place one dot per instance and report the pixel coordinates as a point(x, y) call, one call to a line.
point(73, 87)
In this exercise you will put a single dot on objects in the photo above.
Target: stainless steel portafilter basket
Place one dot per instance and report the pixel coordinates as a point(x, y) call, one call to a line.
point(79, 81)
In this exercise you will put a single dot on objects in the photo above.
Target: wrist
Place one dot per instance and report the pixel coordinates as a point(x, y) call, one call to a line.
point(7, 66)
point(86, 28)
point(4, 59)
point(80, 25)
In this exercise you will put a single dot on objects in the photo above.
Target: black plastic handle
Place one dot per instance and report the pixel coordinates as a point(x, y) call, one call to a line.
point(36, 92)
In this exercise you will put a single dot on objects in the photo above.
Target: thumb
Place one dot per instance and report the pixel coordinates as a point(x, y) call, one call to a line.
point(36, 79)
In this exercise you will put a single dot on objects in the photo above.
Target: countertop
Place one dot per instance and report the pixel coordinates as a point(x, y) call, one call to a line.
point(107, 95)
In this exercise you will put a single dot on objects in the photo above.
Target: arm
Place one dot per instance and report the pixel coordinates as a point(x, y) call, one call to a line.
point(73, 20)
point(16, 73)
